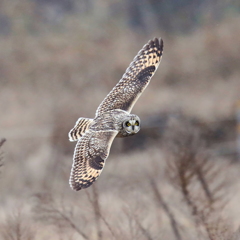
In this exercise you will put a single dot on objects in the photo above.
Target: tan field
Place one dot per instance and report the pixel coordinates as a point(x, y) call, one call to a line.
point(178, 178)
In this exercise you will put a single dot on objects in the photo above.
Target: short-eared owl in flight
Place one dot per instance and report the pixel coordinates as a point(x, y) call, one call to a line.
point(113, 118)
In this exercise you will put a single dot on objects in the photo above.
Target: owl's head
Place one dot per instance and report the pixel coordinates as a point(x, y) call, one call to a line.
point(131, 125)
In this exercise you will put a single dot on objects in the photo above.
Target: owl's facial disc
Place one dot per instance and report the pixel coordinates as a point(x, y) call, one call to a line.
point(132, 126)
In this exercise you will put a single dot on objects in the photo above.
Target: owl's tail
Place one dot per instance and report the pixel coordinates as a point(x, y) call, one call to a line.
point(81, 126)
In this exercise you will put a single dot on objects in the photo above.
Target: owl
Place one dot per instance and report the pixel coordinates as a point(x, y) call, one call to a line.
point(113, 118)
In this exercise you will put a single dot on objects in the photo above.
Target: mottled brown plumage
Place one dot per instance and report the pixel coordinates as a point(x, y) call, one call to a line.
point(113, 118)
point(89, 157)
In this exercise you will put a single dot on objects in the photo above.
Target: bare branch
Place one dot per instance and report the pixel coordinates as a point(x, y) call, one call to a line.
point(98, 213)
point(2, 141)
point(165, 207)
point(189, 166)
point(143, 230)
point(15, 228)
point(48, 210)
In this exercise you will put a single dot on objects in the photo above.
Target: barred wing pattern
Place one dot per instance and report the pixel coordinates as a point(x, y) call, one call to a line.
point(81, 126)
point(135, 80)
point(89, 157)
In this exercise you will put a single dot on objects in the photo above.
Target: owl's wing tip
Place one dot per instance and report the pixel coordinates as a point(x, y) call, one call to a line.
point(77, 186)
point(161, 43)
point(154, 43)
point(158, 42)
point(74, 186)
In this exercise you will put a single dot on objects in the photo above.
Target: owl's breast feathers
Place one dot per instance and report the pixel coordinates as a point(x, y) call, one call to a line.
point(111, 120)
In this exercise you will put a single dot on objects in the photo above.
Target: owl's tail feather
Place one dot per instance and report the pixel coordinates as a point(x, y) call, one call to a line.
point(81, 126)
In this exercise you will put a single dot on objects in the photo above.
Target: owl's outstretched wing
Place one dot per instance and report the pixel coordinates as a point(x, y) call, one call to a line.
point(135, 80)
point(89, 157)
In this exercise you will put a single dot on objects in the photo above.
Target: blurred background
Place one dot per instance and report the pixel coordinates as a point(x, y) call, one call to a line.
point(178, 178)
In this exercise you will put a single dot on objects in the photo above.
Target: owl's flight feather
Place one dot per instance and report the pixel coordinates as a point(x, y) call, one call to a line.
point(135, 80)
point(81, 126)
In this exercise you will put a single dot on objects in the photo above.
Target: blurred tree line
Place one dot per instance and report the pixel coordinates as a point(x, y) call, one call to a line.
point(143, 15)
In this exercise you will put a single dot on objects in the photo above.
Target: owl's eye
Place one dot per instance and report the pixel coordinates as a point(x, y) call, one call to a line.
point(137, 123)
point(128, 124)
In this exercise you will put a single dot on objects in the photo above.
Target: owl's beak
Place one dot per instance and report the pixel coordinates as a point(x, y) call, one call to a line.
point(133, 129)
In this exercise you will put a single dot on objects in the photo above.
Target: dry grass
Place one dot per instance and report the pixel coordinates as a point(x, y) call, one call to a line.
point(17, 227)
point(196, 175)
point(173, 187)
